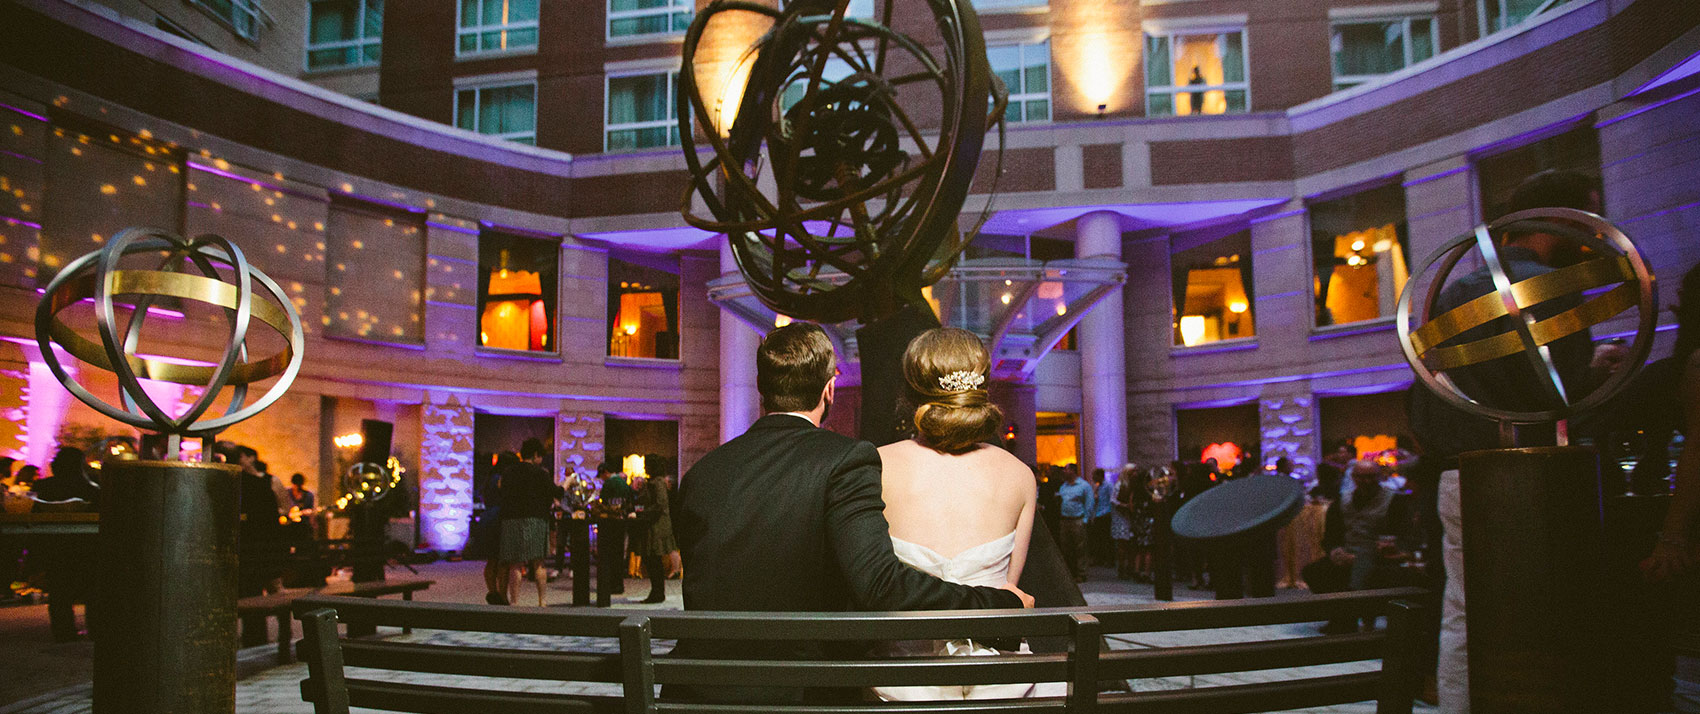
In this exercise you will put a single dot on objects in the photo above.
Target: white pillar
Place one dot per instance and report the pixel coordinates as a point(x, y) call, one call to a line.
point(740, 404)
point(1103, 370)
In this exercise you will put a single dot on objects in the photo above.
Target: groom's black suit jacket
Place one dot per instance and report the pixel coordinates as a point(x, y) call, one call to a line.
point(788, 517)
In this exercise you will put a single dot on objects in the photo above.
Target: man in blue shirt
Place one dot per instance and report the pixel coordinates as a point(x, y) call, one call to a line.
point(1098, 530)
point(1077, 507)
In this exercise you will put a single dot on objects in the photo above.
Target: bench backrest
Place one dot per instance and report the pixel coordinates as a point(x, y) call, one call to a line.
point(613, 651)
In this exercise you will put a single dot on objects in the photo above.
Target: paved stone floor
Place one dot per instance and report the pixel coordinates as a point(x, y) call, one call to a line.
point(46, 678)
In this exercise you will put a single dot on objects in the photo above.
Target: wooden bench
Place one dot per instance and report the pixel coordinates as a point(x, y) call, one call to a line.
point(253, 611)
point(629, 671)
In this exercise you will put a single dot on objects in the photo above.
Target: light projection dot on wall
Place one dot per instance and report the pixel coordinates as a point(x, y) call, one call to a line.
point(108, 189)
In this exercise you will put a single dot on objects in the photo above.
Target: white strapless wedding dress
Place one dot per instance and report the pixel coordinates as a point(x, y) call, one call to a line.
point(987, 565)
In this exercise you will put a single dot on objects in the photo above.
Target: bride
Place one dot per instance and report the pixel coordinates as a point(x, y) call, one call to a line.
point(960, 508)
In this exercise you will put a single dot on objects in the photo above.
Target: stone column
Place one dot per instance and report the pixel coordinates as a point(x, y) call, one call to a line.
point(740, 404)
point(445, 465)
point(1103, 369)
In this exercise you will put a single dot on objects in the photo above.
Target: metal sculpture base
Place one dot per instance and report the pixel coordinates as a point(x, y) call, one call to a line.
point(1535, 581)
point(167, 593)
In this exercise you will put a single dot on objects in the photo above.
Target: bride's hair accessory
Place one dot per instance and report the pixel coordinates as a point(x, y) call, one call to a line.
point(961, 381)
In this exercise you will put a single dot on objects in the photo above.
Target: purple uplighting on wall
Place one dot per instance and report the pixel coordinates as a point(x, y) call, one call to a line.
point(1680, 71)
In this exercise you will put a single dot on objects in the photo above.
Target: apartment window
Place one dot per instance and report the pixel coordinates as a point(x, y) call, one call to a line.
point(643, 311)
point(1499, 175)
point(344, 33)
point(1366, 50)
point(516, 292)
point(1212, 289)
point(496, 25)
point(631, 18)
point(1196, 73)
point(1497, 15)
point(243, 16)
point(1359, 248)
point(640, 112)
point(505, 111)
point(1026, 71)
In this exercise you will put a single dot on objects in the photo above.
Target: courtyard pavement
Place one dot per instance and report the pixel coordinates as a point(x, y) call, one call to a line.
point(41, 677)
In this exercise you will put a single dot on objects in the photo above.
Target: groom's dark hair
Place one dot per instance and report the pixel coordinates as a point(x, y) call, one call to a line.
point(793, 365)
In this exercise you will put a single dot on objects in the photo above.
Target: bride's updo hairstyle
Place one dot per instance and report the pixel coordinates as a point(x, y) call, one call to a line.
point(944, 371)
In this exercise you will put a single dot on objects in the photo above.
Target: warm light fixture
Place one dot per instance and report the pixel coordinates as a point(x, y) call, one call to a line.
point(633, 466)
point(1357, 245)
point(630, 329)
point(1062, 308)
point(1237, 306)
point(349, 441)
point(1383, 245)
point(1192, 329)
point(1006, 297)
point(781, 320)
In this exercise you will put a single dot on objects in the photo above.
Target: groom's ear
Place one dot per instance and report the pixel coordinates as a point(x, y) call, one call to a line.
point(830, 393)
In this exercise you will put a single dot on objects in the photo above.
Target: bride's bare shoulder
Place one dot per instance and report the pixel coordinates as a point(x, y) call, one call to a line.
point(1005, 464)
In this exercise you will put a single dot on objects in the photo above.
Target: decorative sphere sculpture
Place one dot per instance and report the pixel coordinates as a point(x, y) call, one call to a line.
point(830, 163)
point(226, 280)
point(1433, 347)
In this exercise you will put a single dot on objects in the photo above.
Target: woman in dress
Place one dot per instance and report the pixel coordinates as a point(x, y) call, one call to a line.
point(960, 508)
point(1121, 521)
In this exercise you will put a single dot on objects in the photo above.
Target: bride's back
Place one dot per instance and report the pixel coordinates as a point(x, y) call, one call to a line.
point(948, 490)
point(949, 503)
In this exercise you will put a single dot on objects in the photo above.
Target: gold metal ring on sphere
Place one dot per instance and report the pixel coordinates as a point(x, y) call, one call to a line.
point(97, 276)
point(1612, 280)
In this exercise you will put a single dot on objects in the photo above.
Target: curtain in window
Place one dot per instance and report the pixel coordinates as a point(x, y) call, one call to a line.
point(1369, 48)
point(637, 99)
point(1157, 72)
point(1232, 55)
point(333, 20)
point(507, 110)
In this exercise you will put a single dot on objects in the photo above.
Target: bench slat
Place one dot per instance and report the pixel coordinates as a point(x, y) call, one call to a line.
point(1037, 705)
point(466, 618)
point(838, 627)
point(902, 671)
point(1240, 656)
point(433, 699)
point(482, 661)
point(1212, 614)
point(1248, 698)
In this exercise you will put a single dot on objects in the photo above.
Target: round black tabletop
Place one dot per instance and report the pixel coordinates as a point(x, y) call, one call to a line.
point(1261, 502)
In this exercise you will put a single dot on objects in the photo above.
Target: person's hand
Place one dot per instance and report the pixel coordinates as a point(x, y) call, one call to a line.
point(1669, 559)
point(1609, 358)
point(1026, 600)
point(1341, 556)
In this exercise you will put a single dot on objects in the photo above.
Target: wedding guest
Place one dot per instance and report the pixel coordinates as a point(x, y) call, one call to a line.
point(68, 562)
point(1121, 521)
point(258, 533)
point(1077, 506)
point(527, 493)
point(1098, 530)
point(656, 545)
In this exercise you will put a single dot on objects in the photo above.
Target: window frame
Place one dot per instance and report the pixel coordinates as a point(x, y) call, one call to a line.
point(552, 350)
point(1022, 47)
point(613, 309)
point(1482, 18)
point(478, 86)
point(252, 9)
point(483, 27)
point(359, 43)
point(1402, 230)
point(670, 122)
point(673, 7)
point(1177, 302)
point(1172, 89)
point(1344, 82)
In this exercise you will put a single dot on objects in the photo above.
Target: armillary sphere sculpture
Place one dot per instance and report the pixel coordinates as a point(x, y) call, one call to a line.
point(168, 528)
point(100, 277)
point(1616, 263)
point(831, 163)
point(1543, 627)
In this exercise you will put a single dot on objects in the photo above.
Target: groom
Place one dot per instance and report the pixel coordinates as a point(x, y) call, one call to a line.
point(788, 517)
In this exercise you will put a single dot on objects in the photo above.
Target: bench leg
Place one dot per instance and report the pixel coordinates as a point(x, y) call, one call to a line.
point(285, 638)
point(408, 596)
